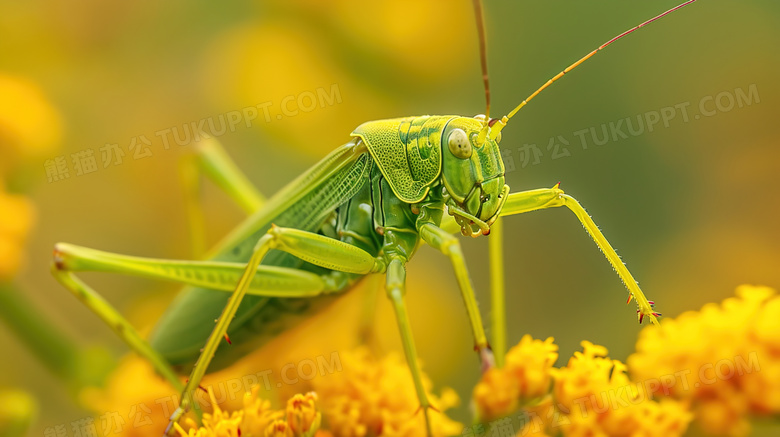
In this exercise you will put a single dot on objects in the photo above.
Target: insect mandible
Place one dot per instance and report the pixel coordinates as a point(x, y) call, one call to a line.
point(363, 209)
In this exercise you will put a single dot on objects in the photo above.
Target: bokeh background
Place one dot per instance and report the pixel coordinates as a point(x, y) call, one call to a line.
point(692, 208)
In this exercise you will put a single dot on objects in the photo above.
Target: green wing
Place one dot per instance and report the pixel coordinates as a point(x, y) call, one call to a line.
point(407, 151)
point(303, 204)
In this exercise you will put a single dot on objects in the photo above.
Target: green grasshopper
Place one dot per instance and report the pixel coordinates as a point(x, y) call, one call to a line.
point(363, 209)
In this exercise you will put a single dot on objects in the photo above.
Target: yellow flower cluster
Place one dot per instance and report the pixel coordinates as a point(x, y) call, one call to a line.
point(524, 377)
point(377, 398)
point(594, 396)
point(258, 419)
point(724, 360)
point(591, 396)
point(369, 397)
point(717, 366)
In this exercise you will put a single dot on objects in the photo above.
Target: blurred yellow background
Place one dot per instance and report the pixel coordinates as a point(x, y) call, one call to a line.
point(692, 206)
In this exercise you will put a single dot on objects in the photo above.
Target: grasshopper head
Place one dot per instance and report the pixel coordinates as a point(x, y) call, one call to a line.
point(473, 174)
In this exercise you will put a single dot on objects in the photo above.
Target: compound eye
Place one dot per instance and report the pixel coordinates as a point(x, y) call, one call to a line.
point(459, 144)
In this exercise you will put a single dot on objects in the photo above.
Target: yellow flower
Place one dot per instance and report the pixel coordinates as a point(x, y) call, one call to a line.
point(588, 373)
point(594, 397)
point(496, 395)
point(530, 363)
point(29, 124)
point(525, 377)
point(302, 415)
point(377, 398)
point(723, 359)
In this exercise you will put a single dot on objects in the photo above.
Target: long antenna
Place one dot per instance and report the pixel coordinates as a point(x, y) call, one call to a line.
point(499, 124)
point(478, 13)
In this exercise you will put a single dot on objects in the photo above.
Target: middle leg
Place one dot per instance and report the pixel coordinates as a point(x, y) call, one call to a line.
point(447, 244)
